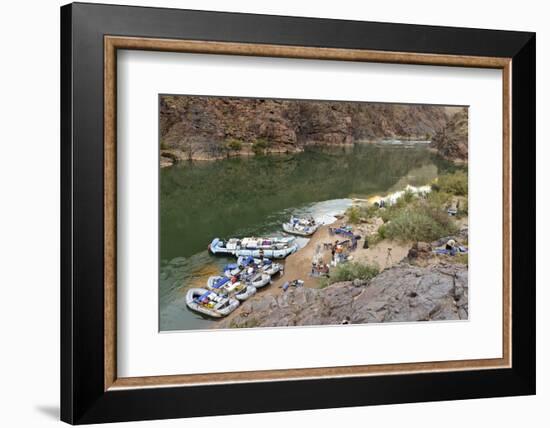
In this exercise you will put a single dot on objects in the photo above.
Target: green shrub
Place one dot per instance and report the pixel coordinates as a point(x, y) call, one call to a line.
point(353, 214)
point(382, 232)
point(439, 199)
point(385, 215)
point(400, 202)
point(233, 145)
point(407, 197)
point(370, 211)
point(389, 212)
point(463, 207)
point(260, 146)
point(351, 271)
point(324, 282)
point(455, 184)
point(374, 239)
point(461, 258)
point(417, 223)
point(358, 212)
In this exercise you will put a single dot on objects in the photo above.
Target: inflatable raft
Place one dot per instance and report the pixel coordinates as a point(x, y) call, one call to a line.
point(225, 286)
point(209, 303)
point(265, 265)
point(257, 280)
point(301, 226)
point(247, 292)
point(275, 248)
point(232, 269)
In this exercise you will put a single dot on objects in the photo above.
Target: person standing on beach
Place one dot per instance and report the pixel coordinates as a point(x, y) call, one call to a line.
point(366, 243)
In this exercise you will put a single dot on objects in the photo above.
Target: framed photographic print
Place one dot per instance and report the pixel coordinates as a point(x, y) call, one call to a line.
point(265, 213)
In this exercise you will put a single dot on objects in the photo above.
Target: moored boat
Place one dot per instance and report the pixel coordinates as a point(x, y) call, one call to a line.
point(232, 269)
point(301, 226)
point(258, 279)
point(263, 265)
point(271, 268)
point(273, 247)
point(210, 303)
point(247, 292)
point(230, 287)
point(218, 282)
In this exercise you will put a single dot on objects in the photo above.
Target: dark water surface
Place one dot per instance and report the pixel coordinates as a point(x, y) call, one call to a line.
point(251, 196)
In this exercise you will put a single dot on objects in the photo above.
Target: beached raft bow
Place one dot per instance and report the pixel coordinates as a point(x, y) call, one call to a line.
point(209, 303)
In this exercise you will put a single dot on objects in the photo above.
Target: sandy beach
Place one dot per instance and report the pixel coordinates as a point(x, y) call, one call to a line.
point(298, 265)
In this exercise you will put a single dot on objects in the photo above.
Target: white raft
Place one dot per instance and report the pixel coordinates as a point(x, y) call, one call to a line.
point(225, 286)
point(301, 226)
point(265, 265)
point(257, 280)
point(209, 303)
point(247, 292)
point(232, 269)
point(274, 248)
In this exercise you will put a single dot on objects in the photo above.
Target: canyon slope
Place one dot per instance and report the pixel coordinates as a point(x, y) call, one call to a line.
point(197, 127)
point(451, 141)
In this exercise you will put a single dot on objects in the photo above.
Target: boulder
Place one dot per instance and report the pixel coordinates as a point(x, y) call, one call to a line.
point(420, 250)
point(403, 293)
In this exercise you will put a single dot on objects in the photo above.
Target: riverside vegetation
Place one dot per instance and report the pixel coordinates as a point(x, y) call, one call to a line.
point(410, 219)
point(421, 287)
point(419, 219)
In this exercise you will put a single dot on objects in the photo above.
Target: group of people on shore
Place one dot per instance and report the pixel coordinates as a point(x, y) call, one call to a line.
point(320, 269)
point(339, 250)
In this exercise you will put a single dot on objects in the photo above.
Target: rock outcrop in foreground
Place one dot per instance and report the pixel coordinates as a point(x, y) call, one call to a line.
point(401, 293)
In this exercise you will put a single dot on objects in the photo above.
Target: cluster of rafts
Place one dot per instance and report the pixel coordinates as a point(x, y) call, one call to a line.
point(254, 268)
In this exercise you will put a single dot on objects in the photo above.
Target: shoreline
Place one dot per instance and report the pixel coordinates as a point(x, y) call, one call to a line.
point(384, 254)
point(394, 292)
point(171, 157)
point(456, 161)
point(174, 156)
point(298, 265)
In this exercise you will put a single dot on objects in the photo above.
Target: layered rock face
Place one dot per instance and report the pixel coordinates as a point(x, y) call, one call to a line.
point(291, 124)
point(403, 293)
point(451, 141)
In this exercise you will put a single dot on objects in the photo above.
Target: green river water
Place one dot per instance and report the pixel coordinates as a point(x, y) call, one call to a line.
point(252, 196)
